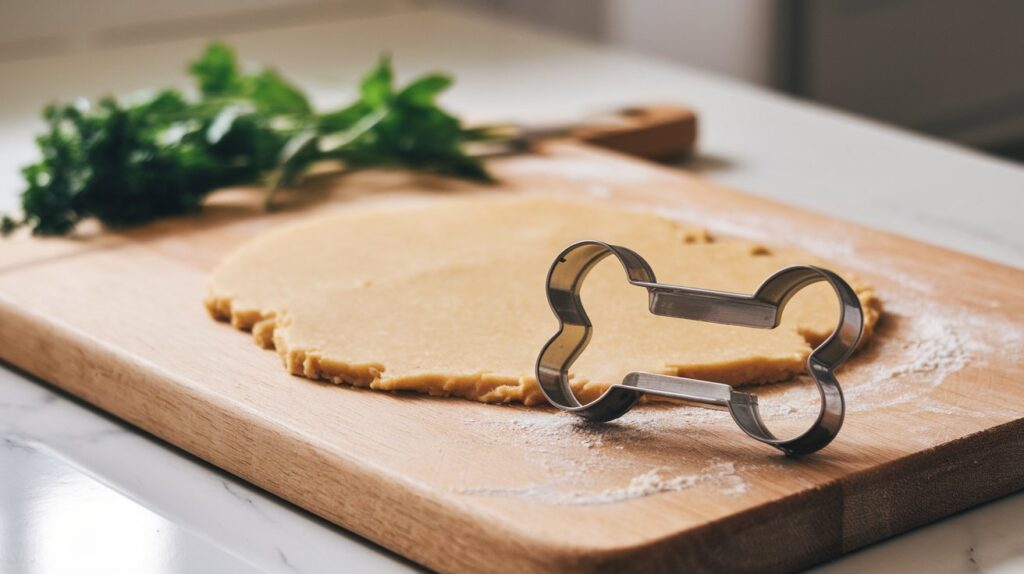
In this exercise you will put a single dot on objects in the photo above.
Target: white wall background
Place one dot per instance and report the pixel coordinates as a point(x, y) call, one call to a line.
point(732, 37)
point(735, 37)
point(33, 28)
point(729, 36)
point(951, 68)
point(948, 67)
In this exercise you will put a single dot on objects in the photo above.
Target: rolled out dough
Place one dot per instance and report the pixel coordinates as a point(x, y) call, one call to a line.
point(447, 297)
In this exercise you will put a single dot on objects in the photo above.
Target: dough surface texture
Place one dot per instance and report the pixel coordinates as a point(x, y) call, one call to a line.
point(447, 297)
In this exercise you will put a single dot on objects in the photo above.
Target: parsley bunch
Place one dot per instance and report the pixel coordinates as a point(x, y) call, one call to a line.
point(129, 163)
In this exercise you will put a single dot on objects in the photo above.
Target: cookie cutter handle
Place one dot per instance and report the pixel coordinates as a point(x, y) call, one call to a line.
point(763, 310)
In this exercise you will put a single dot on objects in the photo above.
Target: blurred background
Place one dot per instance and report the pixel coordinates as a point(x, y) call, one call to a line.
point(948, 68)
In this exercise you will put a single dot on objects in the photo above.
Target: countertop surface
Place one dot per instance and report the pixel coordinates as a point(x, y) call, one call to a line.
point(138, 504)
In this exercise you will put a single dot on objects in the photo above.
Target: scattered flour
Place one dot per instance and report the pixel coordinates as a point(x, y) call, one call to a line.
point(920, 342)
point(654, 481)
point(755, 227)
point(577, 455)
point(935, 342)
point(923, 344)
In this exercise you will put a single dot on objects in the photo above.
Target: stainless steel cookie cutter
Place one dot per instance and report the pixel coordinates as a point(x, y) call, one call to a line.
point(762, 310)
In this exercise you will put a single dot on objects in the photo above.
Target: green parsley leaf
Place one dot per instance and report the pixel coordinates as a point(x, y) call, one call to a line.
point(129, 164)
point(376, 89)
point(216, 71)
point(424, 91)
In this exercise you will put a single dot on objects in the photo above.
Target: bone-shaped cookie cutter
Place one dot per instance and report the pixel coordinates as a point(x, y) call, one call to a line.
point(762, 310)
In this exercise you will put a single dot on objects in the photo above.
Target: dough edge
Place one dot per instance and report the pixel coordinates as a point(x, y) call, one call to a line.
point(269, 331)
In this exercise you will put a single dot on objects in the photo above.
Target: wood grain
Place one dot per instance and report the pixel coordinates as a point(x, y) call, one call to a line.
point(117, 319)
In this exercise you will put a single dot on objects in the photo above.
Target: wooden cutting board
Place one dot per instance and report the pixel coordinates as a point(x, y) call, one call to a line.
point(935, 421)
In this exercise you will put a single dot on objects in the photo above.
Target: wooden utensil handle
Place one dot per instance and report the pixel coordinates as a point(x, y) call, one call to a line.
point(655, 132)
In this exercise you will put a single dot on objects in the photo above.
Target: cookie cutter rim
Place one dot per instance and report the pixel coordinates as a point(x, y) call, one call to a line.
point(763, 309)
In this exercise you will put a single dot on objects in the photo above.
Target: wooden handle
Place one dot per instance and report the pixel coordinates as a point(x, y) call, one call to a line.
point(658, 133)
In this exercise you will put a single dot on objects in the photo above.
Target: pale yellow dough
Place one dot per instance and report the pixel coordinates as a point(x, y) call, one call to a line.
point(447, 297)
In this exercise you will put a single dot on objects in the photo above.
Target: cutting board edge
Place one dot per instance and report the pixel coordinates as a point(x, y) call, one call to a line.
point(143, 403)
point(829, 522)
point(921, 476)
point(700, 547)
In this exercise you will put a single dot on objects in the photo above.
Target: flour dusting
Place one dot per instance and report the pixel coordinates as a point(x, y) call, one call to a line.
point(756, 227)
point(654, 481)
point(919, 345)
point(925, 343)
point(921, 340)
point(578, 456)
point(940, 348)
point(660, 448)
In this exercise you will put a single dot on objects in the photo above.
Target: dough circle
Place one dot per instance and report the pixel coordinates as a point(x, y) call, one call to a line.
point(447, 297)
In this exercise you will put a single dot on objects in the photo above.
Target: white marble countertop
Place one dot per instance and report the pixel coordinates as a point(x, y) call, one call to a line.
point(754, 140)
